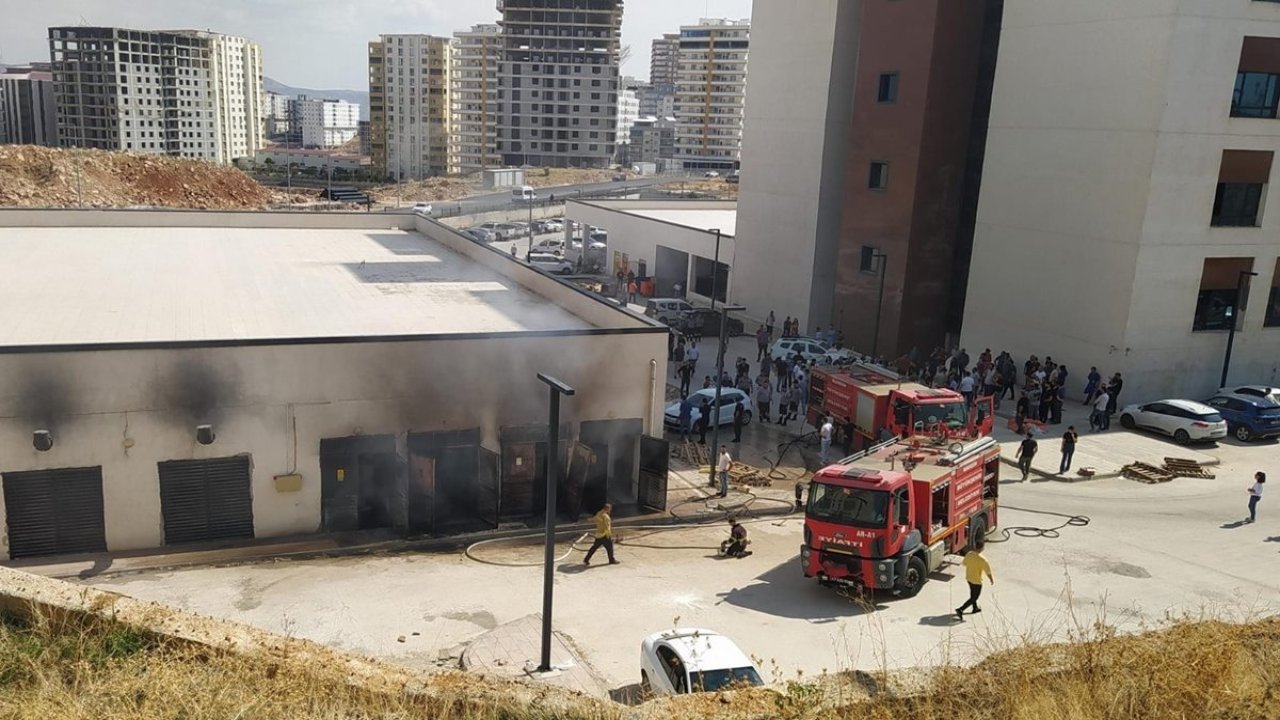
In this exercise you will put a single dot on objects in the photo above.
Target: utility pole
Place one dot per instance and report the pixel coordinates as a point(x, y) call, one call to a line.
point(552, 460)
point(1235, 319)
point(875, 339)
point(715, 405)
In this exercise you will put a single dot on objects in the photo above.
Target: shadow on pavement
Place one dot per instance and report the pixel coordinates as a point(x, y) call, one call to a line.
point(1273, 538)
point(1234, 525)
point(573, 568)
point(784, 592)
point(947, 620)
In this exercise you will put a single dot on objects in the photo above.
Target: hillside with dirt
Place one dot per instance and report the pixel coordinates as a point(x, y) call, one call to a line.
point(33, 176)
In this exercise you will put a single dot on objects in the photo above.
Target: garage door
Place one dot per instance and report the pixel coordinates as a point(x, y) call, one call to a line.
point(54, 512)
point(204, 500)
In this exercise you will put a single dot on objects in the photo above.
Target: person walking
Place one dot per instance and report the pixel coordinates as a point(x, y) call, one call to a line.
point(1069, 440)
point(685, 372)
point(723, 467)
point(1113, 389)
point(825, 432)
point(966, 389)
point(769, 323)
point(1255, 494)
point(1091, 387)
point(739, 417)
point(704, 419)
point(762, 343)
point(686, 418)
point(1098, 418)
point(604, 535)
point(1026, 451)
point(764, 395)
point(693, 356)
point(975, 566)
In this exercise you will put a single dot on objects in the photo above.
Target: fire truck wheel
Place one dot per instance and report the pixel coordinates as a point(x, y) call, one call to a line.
point(978, 531)
point(913, 579)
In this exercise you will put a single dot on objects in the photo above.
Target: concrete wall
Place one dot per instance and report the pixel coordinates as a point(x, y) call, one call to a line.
point(1101, 168)
point(797, 123)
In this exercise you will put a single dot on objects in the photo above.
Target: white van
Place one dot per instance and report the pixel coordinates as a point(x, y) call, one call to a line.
point(524, 193)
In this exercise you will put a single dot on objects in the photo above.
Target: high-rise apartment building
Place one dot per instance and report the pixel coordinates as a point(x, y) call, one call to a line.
point(1126, 218)
point(276, 117)
point(183, 92)
point(664, 60)
point(558, 82)
point(473, 88)
point(28, 115)
point(323, 123)
point(628, 113)
point(409, 114)
point(711, 83)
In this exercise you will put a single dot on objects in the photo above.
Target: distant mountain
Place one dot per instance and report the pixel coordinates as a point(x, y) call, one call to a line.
point(353, 96)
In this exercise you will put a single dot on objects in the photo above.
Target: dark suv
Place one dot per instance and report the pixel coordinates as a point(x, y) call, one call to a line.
point(1248, 418)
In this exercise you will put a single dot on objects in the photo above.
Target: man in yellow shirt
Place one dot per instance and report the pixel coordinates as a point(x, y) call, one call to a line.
point(975, 566)
point(604, 535)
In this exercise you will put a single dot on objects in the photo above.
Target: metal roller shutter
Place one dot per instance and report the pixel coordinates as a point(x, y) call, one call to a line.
point(54, 512)
point(204, 500)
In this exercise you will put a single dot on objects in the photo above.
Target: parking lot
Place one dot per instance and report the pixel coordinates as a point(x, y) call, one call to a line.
point(1148, 552)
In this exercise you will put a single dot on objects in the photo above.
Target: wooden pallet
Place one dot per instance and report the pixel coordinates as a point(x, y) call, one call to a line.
point(1187, 468)
point(691, 452)
point(1144, 472)
point(744, 474)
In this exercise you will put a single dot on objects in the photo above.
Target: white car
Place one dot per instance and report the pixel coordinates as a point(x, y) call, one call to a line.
point(812, 351)
point(550, 263)
point(711, 174)
point(729, 397)
point(685, 660)
point(423, 209)
point(553, 225)
point(1265, 392)
point(1186, 421)
point(550, 245)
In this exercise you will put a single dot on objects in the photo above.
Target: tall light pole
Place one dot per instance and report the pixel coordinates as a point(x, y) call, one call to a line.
point(552, 460)
point(715, 270)
point(715, 406)
point(1235, 318)
point(875, 339)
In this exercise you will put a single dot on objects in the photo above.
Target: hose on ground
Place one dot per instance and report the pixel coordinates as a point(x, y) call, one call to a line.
point(783, 447)
point(1027, 531)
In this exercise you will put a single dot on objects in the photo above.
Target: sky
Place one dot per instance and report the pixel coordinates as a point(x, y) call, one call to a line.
point(322, 44)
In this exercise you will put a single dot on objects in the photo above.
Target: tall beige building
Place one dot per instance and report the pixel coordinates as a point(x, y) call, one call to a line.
point(409, 113)
point(1126, 219)
point(182, 92)
point(473, 97)
point(664, 60)
point(711, 85)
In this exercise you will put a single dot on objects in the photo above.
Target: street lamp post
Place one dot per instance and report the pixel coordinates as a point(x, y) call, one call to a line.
point(715, 270)
point(1235, 318)
point(875, 339)
point(552, 460)
point(715, 405)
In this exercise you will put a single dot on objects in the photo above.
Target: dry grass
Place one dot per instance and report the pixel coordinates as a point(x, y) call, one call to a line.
point(68, 670)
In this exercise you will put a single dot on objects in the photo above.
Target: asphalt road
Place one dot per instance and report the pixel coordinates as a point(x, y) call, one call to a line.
point(503, 200)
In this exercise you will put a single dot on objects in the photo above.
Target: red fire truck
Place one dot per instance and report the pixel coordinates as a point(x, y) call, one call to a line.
point(886, 518)
point(873, 405)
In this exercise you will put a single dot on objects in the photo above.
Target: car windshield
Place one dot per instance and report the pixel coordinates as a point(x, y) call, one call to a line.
point(848, 506)
point(712, 680)
point(1209, 417)
point(953, 414)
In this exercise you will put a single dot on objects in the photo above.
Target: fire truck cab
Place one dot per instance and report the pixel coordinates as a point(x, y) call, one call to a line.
point(886, 518)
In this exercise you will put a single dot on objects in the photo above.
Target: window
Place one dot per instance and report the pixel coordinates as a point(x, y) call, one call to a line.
point(1255, 95)
point(871, 259)
point(1216, 303)
point(879, 179)
point(1272, 318)
point(1242, 179)
point(888, 88)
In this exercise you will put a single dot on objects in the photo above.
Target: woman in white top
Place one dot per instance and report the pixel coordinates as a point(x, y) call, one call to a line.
point(1255, 494)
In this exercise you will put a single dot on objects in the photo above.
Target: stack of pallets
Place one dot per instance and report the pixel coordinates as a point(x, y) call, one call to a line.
point(690, 452)
point(1186, 468)
point(1145, 472)
point(744, 474)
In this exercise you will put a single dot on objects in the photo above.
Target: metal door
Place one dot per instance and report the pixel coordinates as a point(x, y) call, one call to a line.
point(422, 493)
point(339, 491)
point(572, 482)
point(489, 494)
point(54, 512)
point(655, 461)
point(202, 500)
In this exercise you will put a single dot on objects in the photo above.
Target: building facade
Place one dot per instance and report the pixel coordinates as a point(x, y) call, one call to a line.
point(28, 114)
point(187, 93)
point(324, 123)
point(276, 121)
point(711, 83)
point(473, 88)
point(1126, 219)
point(558, 82)
point(664, 60)
point(628, 113)
point(652, 140)
point(409, 114)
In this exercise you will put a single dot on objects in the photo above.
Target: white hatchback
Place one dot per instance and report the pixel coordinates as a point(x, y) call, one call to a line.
point(1186, 421)
point(687, 660)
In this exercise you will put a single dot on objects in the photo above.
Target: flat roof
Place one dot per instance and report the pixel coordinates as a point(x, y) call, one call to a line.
point(119, 285)
point(698, 219)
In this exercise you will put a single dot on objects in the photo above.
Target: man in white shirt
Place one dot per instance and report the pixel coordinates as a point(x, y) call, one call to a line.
point(966, 389)
point(1098, 418)
point(825, 433)
point(723, 467)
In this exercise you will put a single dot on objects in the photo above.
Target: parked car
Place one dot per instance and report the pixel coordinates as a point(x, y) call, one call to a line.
point(711, 174)
point(733, 177)
point(550, 245)
point(524, 193)
point(812, 351)
point(666, 310)
point(1248, 417)
point(550, 263)
point(705, 322)
point(619, 177)
point(1186, 421)
point(503, 231)
point(1265, 392)
point(423, 209)
point(728, 398)
point(687, 660)
point(553, 225)
point(483, 234)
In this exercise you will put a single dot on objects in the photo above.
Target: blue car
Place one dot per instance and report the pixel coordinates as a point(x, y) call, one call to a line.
point(1248, 418)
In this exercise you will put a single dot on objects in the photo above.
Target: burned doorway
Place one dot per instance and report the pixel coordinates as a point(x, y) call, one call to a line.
point(362, 484)
point(523, 478)
point(54, 512)
point(612, 477)
point(452, 483)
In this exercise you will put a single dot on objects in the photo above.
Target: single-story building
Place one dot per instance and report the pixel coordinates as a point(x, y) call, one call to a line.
point(192, 377)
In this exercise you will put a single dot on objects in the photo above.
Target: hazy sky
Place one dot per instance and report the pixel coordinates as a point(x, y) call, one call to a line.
point(321, 44)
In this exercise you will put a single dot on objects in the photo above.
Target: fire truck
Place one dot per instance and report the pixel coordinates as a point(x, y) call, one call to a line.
point(885, 518)
point(870, 405)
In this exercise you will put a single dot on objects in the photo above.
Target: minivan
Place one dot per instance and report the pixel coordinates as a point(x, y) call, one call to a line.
point(666, 310)
point(524, 193)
